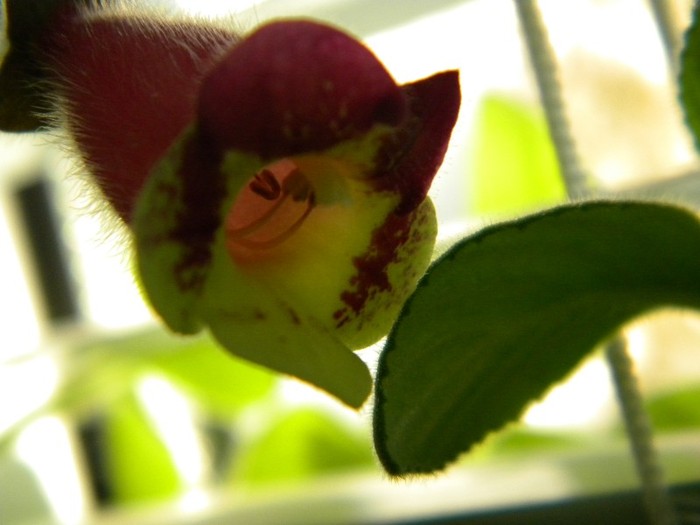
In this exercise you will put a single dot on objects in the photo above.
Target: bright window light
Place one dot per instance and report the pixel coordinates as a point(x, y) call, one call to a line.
point(24, 387)
point(583, 400)
point(215, 7)
point(45, 446)
point(171, 415)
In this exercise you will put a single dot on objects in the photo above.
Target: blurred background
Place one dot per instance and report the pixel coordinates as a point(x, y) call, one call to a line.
point(107, 418)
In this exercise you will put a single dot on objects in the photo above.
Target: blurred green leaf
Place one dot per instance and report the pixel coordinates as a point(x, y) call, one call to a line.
point(219, 382)
point(675, 411)
point(103, 370)
point(514, 165)
point(690, 75)
point(506, 313)
point(139, 466)
point(300, 445)
point(519, 441)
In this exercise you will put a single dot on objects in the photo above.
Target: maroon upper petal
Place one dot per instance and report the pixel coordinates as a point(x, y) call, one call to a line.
point(296, 86)
point(409, 158)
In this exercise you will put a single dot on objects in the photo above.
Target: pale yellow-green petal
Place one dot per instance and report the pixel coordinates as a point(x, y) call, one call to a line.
point(257, 324)
point(248, 317)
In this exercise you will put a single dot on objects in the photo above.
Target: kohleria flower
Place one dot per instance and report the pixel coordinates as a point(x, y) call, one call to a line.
point(275, 184)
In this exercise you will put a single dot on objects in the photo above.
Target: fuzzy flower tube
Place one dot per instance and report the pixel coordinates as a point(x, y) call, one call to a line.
point(275, 184)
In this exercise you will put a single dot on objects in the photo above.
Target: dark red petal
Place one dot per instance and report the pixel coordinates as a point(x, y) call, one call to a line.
point(203, 189)
point(296, 86)
point(130, 86)
point(410, 158)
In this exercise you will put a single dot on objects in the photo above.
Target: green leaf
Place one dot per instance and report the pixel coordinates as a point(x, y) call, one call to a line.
point(103, 370)
point(675, 411)
point(513, 163)
point(690, 75)
point(511, 310)
point(220, 383)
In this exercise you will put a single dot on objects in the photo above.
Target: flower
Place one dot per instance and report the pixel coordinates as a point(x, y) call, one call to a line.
point(276, 185)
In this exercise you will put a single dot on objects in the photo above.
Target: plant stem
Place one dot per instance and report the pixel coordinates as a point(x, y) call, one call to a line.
point(637, 423)
point(546, 75)
point(640, 433)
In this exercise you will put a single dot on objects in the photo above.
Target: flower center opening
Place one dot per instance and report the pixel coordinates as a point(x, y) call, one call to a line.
point(270, 209)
